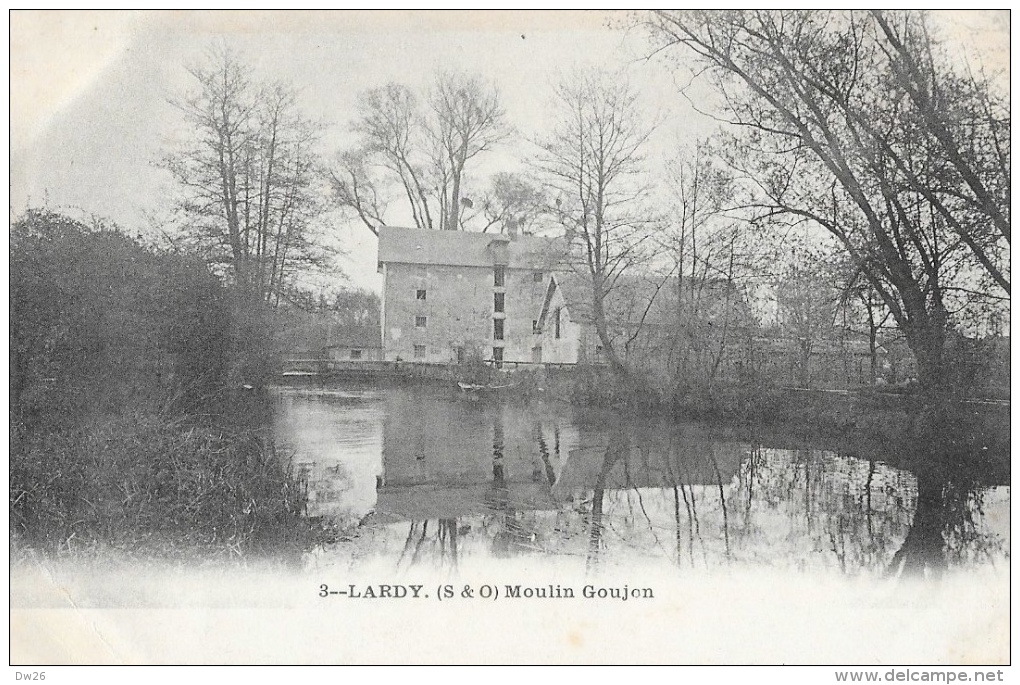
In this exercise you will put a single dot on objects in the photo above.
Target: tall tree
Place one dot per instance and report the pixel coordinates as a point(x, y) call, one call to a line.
point(809, 292)
point(830, 133)
point(391, 130)
point(357, 189)
point(710, 261)
point(468, 120)
point(424, 150)
point(248, 173)
point(593, 164)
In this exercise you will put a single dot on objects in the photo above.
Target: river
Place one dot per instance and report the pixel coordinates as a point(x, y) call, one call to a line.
point(434, 479)
point(471, 530)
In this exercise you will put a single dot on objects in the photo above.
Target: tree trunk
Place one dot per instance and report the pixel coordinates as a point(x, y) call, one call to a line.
point(927, 342)
point(453, 221)
point(872, 341)
point(601, 328)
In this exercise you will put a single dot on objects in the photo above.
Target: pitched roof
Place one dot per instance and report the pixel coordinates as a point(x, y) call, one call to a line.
point(636, 298)
point(465, 248)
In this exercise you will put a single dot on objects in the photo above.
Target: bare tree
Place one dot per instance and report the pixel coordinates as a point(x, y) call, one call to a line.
point(248, 173)
point(468, 120)
point(710, 261)
point(594, 167)
point(872, 318)
point(808, 298)
point(423, 150)
point(356, 188)
point(830, 134)
point(391, 128)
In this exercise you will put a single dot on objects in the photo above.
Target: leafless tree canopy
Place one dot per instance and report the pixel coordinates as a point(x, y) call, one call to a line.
point(248, 171)
point(422, 149)
point(468, 120)
point(513, 203)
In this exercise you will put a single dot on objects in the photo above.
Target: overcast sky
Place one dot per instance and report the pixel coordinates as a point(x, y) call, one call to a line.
point(89, 90)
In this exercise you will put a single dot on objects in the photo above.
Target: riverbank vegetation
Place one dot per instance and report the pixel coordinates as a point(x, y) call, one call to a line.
point(136, 416)
point(875, 420)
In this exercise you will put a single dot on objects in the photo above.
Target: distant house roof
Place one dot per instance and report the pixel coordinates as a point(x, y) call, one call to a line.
point(465, 248)
point(633, 298)
point(780, 344)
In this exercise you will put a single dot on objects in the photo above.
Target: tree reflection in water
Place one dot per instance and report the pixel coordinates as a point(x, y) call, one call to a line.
point(617, 450)
point(811, 509)
point(946, 528)
point(487, 480)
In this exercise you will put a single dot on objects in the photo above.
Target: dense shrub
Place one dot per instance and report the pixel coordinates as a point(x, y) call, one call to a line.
point(136, 419)
point(99, 322)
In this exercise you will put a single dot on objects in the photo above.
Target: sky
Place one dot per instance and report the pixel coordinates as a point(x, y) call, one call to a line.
point(90, 91)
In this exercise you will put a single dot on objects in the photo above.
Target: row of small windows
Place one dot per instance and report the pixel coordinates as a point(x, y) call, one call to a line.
point(498, 280)
point(498, 325)
point(498, 306)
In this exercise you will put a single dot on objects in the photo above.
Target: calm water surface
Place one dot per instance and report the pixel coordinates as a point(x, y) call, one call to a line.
point(432, 478)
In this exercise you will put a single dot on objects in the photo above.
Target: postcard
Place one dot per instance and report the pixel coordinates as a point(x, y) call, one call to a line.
point(512, 337)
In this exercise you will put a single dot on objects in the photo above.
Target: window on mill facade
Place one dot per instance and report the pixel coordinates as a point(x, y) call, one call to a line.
point(420, 321)
point(497, 329)
point(499, 302)
point(499, 276)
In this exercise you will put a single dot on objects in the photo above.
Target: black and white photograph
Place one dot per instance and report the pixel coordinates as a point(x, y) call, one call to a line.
point(510, 337)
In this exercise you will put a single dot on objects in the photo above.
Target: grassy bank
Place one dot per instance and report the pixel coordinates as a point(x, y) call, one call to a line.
point(143, 485)
point(136, 424)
